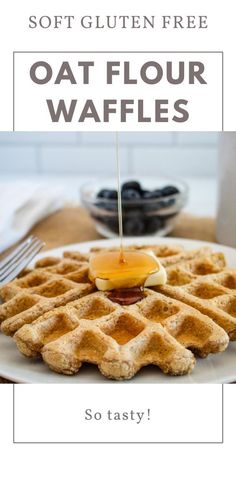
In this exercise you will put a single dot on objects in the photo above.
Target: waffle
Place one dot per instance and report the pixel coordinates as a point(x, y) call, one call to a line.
point(204, 282)
point(56, 281)
point(56, 313)
point(121, 340)
point(214, 295)
point(53, 283)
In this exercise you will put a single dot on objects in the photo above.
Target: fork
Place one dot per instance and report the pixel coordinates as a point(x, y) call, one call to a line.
point(12, 264)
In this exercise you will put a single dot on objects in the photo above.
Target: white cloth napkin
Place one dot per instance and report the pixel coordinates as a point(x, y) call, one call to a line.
point(22, 206)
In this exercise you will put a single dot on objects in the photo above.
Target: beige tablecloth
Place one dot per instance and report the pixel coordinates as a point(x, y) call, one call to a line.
point(72, 225)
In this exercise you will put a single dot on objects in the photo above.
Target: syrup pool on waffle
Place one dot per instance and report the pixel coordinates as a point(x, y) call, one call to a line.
point(125, 276)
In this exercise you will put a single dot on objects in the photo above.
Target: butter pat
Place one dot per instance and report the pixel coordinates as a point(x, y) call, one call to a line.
point(158, 278)
point(141, 268)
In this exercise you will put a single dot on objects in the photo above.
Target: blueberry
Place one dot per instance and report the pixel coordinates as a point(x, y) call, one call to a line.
point(167, 206)
point(149, 207)
point(155, 205)
point(107, 194)
point(134, 226)
point(169, 202)
point(153, 224)
point(130, 194)
point(103, 193)
point(132, 184)
point(130, 211)
point(112, 194)
point(113, 224)
point(152, 207)
point(148, 195)
point(157, 193)
point(106, 205)
point(169, 190)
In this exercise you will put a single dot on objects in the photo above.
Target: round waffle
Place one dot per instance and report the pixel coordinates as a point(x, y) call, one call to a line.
point(56, 313)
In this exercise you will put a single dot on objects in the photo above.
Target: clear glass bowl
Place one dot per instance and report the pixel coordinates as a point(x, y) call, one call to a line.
point(141, 217)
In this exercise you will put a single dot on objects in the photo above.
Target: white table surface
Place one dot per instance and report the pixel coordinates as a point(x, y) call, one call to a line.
point(202, 191)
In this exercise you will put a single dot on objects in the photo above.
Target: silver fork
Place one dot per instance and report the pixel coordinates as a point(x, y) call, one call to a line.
point(17, 260)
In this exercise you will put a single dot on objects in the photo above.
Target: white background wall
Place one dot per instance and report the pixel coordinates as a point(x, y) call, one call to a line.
point(165, 153)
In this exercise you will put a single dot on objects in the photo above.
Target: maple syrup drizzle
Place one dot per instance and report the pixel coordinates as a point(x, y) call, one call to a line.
point(125, 297)
point(120, 216)
point(130, 265)
point(134, 294)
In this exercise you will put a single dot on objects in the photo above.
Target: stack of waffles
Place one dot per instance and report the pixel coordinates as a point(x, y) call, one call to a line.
point(55, 313)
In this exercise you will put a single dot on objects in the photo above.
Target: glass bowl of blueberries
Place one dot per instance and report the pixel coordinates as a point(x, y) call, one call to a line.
point(149, 206)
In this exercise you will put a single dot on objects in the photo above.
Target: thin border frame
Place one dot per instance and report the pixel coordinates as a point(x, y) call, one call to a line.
point(221, 442)
point(222, 129)
point(121, 51)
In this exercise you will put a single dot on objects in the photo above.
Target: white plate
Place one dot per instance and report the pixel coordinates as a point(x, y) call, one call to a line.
point(218, 368)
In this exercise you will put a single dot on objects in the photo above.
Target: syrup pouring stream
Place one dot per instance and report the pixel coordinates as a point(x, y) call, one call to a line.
point(131, 268)
point(120, 218)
